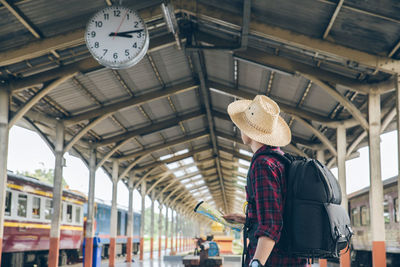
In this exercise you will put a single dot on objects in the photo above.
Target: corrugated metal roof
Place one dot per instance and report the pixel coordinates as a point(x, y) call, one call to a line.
point(96, 89)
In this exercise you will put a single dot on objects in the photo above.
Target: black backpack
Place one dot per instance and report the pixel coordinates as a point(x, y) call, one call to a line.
point(314, 223)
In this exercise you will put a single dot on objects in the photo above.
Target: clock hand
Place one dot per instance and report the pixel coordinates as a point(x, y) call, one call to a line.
point(124, 33)
point(132, 31)
point(120, 35)
point(115, 34)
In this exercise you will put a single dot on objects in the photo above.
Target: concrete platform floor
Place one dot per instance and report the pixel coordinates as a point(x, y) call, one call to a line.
point(120, 262)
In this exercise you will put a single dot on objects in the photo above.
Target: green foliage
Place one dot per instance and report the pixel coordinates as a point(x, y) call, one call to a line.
point(44, 175)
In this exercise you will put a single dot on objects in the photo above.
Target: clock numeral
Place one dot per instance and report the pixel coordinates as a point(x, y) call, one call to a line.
point(93, 34)
point(99, 24)
point(115, 55)
point(105, 52)
point(126, 52)
point(134, 45)
point(139, 35)
point(136, 24)
point(96, 44)
point(117, 13)
point(106, 16)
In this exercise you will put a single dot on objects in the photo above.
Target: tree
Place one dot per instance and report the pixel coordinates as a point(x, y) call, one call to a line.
point(44, 175)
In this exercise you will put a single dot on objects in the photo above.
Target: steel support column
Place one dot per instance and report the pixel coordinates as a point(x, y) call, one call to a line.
point(160, 207)
point(376, 192)
point(166, 227)
point(57, 197)
point(397, 86)
point(4, 109)
point(142, 218)
point(177, 232)
point(172, 232)
point(341, 164)
point(130, 222)
point(152, 226)
point(90, 210)
point(114, 214)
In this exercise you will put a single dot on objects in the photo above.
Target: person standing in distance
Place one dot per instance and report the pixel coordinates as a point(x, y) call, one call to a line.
point(262, 129)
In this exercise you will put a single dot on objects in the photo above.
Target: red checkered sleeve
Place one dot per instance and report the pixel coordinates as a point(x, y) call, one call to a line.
point(266, 183)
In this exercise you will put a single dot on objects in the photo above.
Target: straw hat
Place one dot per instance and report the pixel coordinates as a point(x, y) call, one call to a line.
point(259, 119)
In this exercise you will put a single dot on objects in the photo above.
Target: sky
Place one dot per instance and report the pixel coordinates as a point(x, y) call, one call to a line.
point(27, 152)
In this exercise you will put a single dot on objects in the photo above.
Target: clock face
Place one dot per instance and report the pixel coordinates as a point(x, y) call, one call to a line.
point(117, 37)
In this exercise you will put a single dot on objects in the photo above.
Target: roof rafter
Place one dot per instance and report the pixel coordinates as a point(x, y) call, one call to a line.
point(288, 37)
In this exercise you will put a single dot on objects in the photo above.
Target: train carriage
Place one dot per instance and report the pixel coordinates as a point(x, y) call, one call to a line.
point(103, 217)
point(28, 212)
point(360, 218)
point(27, 223)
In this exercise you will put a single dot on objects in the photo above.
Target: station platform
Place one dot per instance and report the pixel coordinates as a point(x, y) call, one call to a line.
point(229, 261)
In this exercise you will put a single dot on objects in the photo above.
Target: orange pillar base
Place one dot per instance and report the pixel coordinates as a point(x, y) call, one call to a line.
point(141, 248)
point(166, 243)
point(323, 263)
point(345, 260)
point(1, 248)
point(111, 252)
point(172, 245)
point(159, 247)
point(378, 253)
point(151, 247)
point(88, 251)
point(53, 251)
point(129, 250)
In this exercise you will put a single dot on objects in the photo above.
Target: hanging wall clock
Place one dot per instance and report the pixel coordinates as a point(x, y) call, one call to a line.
point(117, 37)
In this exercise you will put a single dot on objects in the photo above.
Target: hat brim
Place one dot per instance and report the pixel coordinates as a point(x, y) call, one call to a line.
point(280, 136)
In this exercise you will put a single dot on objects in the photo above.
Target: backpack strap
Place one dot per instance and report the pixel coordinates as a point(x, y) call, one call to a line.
point(286, 159)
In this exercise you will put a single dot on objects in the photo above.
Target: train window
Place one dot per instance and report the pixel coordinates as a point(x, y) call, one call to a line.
point(78, 214)
point(364, 215)
point(386, 214)
point(36, 207)
point(396, 210)
point(69, 213)
point(7, 210)
point(48, 209)
point(22, 204)
point(355, 217)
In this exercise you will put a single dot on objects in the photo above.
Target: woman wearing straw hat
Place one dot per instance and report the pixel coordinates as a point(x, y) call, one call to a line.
point(263, 129)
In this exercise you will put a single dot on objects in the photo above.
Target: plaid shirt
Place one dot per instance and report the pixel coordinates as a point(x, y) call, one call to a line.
point(267, 178)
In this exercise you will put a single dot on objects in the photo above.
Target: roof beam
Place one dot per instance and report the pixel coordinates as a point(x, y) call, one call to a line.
point(205, 92)
point(83, 131)
point(83, 66)
point(287, 66)
point(36, 98)
point(333, 18)
point(317, 133)
point(284, 65)
point(21, 19)
point(173, 159)
point(178, 141)
point(135, 101)
point(260, 28)
point(341, 99)
point(284, 107)
point(149, 129)
point(159, 180)
point(62, 41)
